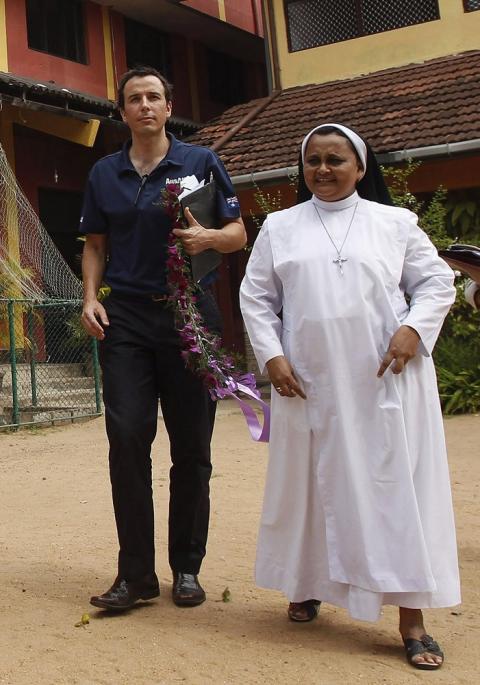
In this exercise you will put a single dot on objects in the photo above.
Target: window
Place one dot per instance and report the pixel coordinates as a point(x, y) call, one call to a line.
point(320, 22)
point(471, 5)
point(57, 27)
point(147, 46)
point(226, 78)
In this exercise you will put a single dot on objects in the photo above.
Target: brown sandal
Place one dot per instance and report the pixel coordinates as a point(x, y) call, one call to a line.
point(302, 612)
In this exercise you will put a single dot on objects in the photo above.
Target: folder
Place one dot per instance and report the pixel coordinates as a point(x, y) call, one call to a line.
point(202, 203)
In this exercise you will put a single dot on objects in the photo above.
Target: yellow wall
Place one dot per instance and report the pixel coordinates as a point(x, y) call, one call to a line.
point(3, 38)
point(107, 42)
point(455, 32)
point(221, 10)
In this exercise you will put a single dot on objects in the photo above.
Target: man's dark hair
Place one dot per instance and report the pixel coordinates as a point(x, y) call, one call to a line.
point(142, 70)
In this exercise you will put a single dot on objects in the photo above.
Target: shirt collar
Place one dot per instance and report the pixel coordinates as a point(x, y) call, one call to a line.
point(175, 156)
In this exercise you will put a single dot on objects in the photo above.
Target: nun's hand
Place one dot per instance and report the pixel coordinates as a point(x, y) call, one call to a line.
point(403, 346)
point(283, 378)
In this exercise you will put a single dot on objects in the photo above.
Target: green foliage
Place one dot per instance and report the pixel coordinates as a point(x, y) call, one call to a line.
point(268, 203)
point(432, 215)
point(459, 392)
point(457, 352)
point(463, 215)
point(456, 212)
point(457, 358)
point(463, 322)
point(397, 179)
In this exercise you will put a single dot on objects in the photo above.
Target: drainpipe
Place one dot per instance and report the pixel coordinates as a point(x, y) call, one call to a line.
point(256, 17)
point(270, 30)
point(266, 47)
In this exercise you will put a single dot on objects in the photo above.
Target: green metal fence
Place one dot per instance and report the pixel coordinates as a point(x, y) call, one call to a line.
point(49, 368)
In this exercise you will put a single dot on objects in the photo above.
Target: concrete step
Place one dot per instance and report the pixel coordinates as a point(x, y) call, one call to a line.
point(39, 414)
point(67, 384)
point(53, 371)
point(72, 398)
point(47, 375)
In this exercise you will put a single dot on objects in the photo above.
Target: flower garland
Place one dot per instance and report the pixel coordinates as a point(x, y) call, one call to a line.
point(202, 350)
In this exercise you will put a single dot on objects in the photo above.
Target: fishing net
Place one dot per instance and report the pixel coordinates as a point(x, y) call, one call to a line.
point(31, 266)
point(48, 365)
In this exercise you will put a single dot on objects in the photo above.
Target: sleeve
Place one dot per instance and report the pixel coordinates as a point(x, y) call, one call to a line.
point(93, 220)
point(261, 296)
point(428, 280)
point(227, 201)
point(471, 289)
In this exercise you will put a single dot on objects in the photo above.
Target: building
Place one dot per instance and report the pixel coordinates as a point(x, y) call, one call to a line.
point(59, 65)
point(404, 73)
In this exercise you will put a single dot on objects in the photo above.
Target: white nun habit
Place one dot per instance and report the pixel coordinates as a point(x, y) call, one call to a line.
point(357, 509)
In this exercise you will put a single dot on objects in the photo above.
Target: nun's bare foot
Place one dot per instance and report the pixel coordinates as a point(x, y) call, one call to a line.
point(421, 650)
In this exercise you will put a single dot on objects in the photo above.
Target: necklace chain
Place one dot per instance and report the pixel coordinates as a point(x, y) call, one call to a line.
point(339, 261)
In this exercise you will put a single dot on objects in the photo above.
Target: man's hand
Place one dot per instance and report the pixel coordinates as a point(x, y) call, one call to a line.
point(283, 378)
point(195, 238)
point(93, 315)
point(403, 346)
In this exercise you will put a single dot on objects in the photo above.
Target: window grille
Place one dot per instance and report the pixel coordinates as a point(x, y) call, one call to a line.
point(312, 23)
point(471, 5)
point(57, 27)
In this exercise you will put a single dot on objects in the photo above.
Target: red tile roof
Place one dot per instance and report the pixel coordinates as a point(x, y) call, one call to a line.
point(418, 105)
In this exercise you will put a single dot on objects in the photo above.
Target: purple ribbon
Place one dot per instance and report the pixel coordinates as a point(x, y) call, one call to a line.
point(258, 432)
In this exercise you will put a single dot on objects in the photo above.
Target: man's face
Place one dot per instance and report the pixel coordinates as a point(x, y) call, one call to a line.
point(145, 108)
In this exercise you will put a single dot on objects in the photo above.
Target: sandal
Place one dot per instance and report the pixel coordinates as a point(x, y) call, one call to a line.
point(426, 644)
point(302, 612)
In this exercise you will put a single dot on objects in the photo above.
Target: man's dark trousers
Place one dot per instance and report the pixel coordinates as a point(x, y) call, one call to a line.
point(141, 362)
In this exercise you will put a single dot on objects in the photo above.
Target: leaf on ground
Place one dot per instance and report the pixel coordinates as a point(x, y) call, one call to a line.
point(226, 595)
point(85, 620)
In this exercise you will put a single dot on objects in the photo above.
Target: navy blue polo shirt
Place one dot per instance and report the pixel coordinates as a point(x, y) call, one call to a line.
point(127, 208)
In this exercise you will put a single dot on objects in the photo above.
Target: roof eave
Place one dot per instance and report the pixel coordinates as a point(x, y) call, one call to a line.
point(431, 151)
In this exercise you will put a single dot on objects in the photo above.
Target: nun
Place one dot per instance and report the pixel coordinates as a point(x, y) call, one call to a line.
point(343, 299)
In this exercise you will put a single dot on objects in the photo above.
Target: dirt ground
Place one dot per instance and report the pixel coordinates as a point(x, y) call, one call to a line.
point(58, 546)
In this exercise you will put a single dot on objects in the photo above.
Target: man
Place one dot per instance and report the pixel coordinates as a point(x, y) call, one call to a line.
point(140, 352)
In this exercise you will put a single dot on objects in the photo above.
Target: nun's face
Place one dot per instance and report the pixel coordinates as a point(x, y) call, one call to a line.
point(331, 168)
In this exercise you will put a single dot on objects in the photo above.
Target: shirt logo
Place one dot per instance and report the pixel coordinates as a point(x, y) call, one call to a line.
point(232, 202)
point(186, 182)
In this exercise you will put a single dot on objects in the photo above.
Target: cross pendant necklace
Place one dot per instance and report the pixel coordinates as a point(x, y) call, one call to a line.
point(339, 261)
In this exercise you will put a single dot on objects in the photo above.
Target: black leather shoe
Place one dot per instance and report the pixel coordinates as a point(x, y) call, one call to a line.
point(123, 594)
point(186, 590)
